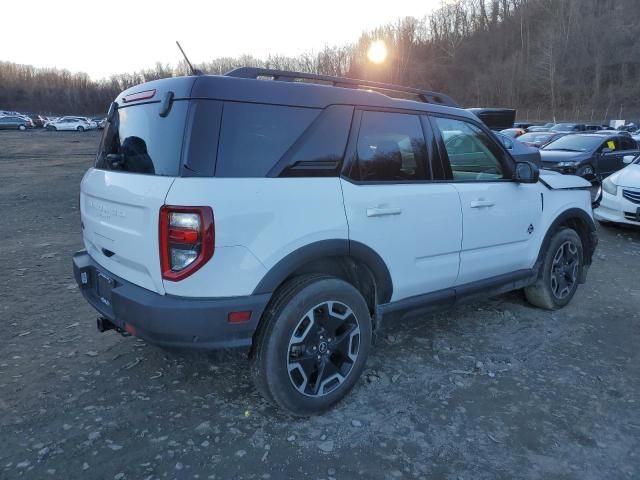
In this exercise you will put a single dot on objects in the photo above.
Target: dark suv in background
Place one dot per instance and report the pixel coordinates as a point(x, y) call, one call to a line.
point(593, 156)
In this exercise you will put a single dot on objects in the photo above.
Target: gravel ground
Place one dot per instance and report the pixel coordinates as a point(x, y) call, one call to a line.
point(488, 390)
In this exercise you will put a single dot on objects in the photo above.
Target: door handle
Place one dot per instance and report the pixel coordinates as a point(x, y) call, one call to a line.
point(382, 211)
point(481, 203)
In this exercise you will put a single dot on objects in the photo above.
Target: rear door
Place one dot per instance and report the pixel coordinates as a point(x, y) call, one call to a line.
point(394, 206)
point(499, 215)
point(120, 199)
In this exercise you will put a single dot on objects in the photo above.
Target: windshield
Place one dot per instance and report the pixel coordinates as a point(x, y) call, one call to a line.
point(534, 137)
point(575, 143)
point(139, 140)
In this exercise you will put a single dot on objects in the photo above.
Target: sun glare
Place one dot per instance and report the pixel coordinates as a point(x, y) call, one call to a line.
point(377, 52)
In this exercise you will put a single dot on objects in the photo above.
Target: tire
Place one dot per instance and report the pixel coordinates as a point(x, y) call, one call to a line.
point(559, 273)
point(22, 128)
point(51, 128)
point(80, 129)
point(298, 361)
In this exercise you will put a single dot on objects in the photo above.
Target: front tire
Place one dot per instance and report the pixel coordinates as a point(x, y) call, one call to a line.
point(559, 273)
point(22, 128)
point(80, 129)
point(312, 345)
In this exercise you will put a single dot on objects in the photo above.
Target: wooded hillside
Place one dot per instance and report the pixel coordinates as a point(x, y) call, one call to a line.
point(572, 59)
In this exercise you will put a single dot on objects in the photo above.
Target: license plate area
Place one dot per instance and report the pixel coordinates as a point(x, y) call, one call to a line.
point(104, 285)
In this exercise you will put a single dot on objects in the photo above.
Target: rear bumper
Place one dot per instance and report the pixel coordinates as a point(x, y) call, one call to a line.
point(168, 320)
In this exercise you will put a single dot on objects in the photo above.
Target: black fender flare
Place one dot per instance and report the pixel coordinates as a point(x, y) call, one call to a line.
point(326, 249)
point(590, 236)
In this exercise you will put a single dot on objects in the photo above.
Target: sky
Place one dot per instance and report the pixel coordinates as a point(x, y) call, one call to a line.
point(114, 36)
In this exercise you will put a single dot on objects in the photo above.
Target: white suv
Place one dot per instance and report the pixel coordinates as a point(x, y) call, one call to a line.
point(290, 213)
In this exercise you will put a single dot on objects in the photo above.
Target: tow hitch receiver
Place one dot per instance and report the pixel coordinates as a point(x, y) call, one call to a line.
point(104, 324)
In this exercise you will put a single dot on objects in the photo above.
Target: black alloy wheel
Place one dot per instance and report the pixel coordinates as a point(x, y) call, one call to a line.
point(323, 348)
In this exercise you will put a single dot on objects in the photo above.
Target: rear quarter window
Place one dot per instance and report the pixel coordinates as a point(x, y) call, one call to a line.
point(253, 137)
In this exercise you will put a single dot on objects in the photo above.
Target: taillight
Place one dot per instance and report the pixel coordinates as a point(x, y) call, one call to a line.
point(186, 240)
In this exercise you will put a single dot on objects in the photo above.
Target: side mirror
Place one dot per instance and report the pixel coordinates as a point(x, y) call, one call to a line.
point(526, 172)
point(628, 159)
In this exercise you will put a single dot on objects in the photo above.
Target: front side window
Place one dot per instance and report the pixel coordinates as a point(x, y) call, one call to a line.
point(391, 147)
point(472, 154)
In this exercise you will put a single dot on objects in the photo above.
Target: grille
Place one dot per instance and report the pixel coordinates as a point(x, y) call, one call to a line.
point(631, 195)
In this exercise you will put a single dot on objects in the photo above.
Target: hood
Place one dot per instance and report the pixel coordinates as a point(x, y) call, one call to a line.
point(629, 176)
point(556, 181)
point(555, 156)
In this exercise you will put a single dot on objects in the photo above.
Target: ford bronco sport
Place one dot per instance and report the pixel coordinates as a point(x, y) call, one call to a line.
point(290, 213)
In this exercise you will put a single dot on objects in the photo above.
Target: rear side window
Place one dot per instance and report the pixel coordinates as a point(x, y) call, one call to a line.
point(139, 140)
point(627, 143)
point(253, 137)
point(391, 147)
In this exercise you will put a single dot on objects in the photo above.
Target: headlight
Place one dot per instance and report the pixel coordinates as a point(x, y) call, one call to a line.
point(610, 187)
point(566, 164)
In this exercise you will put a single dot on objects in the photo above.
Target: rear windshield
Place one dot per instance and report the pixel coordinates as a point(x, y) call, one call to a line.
point(534, 137)
point(575, 143)
point(139, 140)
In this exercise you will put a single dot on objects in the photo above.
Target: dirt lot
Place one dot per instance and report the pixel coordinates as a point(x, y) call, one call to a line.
point(489, 390)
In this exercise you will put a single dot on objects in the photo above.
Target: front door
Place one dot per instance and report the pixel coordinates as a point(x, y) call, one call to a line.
point(394, 206)
point(499, 215)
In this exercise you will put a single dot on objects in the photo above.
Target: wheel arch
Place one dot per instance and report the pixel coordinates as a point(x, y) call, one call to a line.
point(352, 261)
point(580, 221)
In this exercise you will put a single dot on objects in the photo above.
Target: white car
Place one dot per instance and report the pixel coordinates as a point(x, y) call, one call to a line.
point(69, 124)
point(621, 195)
point(293, 219)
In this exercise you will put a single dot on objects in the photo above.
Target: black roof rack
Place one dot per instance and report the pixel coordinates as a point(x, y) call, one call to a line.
point(282, 75)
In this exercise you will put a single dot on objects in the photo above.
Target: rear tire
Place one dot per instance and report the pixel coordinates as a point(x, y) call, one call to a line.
point(51, 128)
point(312, 345)
point(559, 273)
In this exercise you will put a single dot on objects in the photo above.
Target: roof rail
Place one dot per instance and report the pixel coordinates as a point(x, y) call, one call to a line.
point(282, 75)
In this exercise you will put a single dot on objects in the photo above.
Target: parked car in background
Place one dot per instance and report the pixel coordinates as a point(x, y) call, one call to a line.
point(540, 139)
point(519, 151)
point(540, 128)
point(38, 120)
point(636, 136)
point(592, 156)
point(568, 127)
point(92, 125)
point(512, 132)
point(619, 132)
point(621, 195)
point(629, 127)
point(13, 122)
point(523, 125)
point(69, 124)
point(100, 122)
